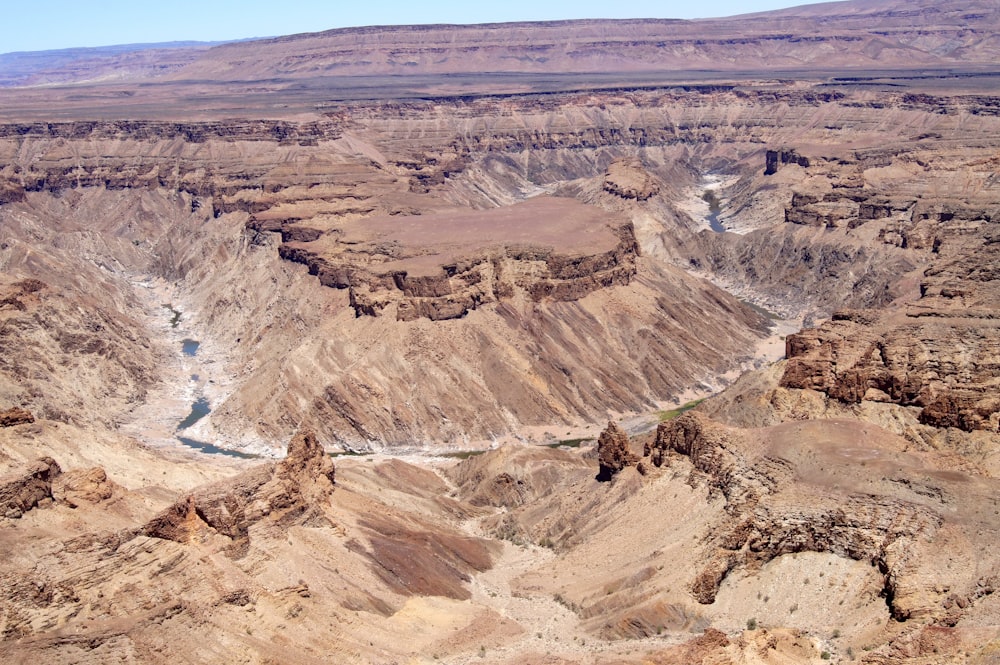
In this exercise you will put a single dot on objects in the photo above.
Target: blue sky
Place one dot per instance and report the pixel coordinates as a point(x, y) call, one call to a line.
point(53, 24)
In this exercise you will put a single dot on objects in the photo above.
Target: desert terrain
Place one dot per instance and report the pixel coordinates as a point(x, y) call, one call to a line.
point(577, 342)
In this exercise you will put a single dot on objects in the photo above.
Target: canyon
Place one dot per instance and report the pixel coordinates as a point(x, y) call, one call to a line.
point(587, 341)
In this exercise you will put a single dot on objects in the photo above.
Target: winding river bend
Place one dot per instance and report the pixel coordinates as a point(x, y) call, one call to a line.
point(200, 408)
point(714, 210)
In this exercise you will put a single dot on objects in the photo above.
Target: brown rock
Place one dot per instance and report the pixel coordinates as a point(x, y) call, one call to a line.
point(899, 363)
point(83, 485)
point(581, 249)
point(15, 416)
point(307, 459)
point(613, 452)
point(629, 180)
point(774, 159)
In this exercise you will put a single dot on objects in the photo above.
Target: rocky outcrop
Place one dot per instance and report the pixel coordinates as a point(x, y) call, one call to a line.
point(940, 354)
point(613, 452)
point(782, 499)
point(194, 132)
point(774, 159)
point(15, 416)
point(286, 493)
point(308, 463)
point(391, 267)
point(853, 362)
point(82, 486)
point(23, 490)
point(630, 180)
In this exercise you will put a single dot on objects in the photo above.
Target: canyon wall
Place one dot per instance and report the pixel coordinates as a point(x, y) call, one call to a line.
point(254, 219)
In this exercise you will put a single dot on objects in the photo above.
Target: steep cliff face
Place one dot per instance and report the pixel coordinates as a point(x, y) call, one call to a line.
point(939, 353)
point(443, 265)
point(858, 219)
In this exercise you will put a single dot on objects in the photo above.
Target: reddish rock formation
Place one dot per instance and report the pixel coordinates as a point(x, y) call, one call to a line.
point(23, 490)
point(613, 452)
point(15, 416)
point(308, 463)
point(944, 359)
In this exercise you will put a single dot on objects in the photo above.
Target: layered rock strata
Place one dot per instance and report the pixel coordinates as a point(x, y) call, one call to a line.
point(15, 416)
point(939, 354)
point(22, 490)
point(352, 196)
point(443, 265)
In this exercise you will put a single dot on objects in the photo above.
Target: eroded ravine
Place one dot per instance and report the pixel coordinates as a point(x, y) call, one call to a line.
point(192, 377)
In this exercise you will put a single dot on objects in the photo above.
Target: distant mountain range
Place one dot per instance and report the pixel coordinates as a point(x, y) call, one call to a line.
point(854, 35)
point(72, 64)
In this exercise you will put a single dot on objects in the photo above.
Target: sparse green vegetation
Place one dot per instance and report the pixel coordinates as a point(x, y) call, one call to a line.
point(766, 313)
point(463, 454)
point(569, 443)
point(673, 413)
point(752, 624)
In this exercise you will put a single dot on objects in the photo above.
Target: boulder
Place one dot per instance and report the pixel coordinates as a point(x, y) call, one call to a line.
point(23, 490)
point(15, 416)
point(79, 486)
